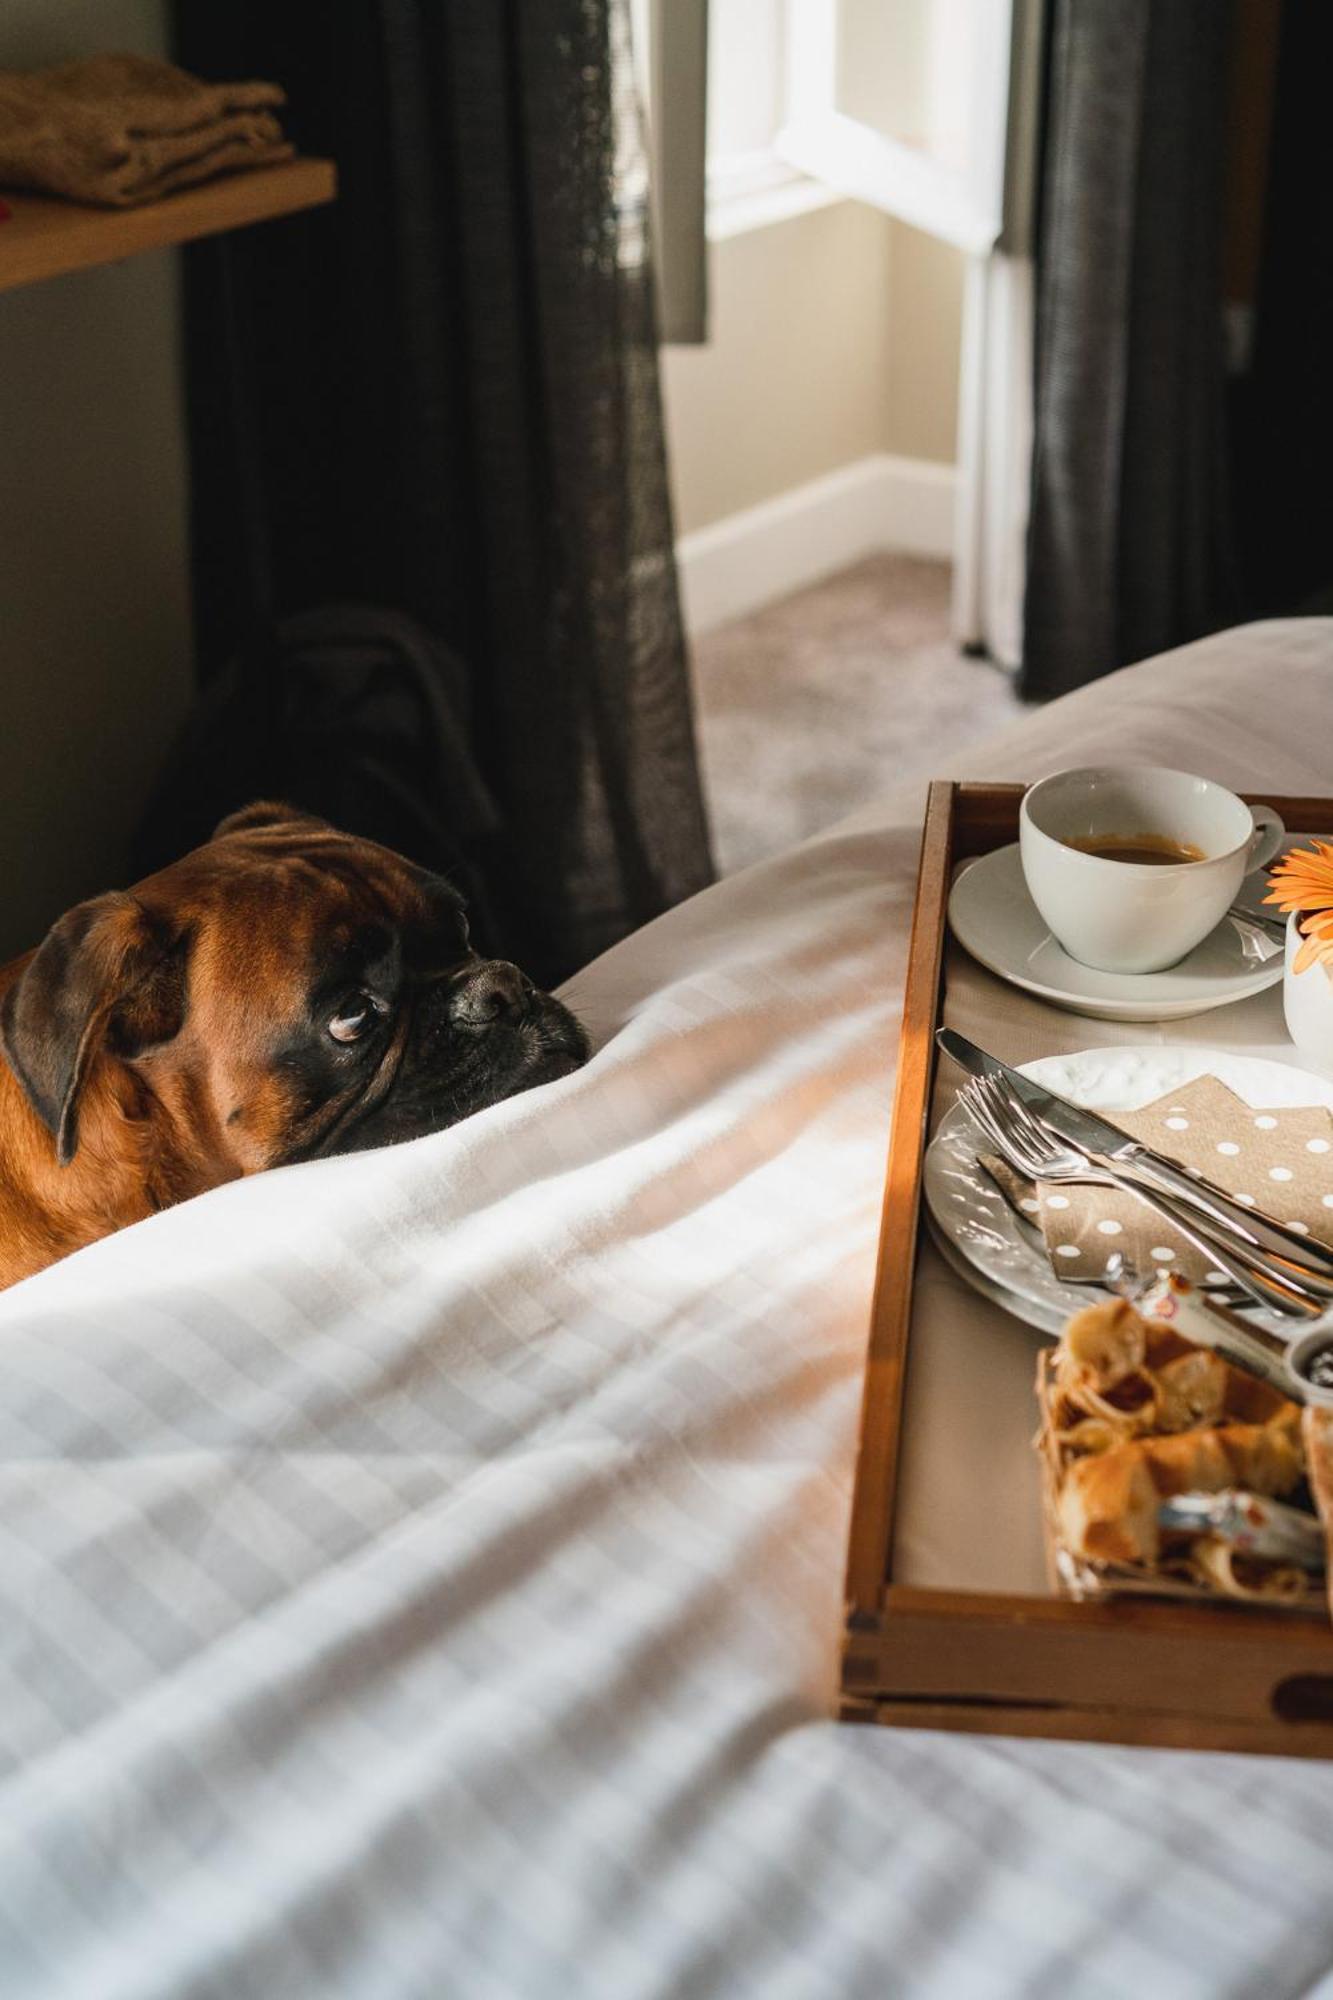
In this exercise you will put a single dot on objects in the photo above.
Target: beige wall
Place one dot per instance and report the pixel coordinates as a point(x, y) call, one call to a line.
point(834, 334)
point(925, 339)
point(94, 642)
point(792, 382)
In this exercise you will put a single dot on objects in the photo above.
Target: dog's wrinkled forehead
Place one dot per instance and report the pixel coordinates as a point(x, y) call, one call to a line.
point(297, 908)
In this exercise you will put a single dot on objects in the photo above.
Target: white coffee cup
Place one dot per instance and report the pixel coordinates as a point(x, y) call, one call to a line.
point(1127, 916)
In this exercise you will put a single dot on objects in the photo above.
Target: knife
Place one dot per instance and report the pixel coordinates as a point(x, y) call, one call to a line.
point(1099, 1138)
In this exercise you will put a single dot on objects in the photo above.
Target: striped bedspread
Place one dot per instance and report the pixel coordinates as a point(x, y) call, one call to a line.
point(420, 1571)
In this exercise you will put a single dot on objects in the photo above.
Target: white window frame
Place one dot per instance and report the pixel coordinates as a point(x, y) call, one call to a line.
point(964, 208)
point(751, 190)
point(820, 156)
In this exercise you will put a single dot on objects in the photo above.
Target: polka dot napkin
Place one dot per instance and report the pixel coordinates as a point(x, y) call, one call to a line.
point(1280, 1160)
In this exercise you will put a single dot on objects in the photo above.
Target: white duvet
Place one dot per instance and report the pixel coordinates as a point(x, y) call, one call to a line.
point(421, 1571)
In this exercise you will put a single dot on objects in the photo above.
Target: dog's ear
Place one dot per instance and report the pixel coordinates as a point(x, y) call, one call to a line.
point(265, 813)
point(107, 975)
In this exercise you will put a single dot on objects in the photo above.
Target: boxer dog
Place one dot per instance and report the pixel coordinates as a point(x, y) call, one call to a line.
point(283, 993)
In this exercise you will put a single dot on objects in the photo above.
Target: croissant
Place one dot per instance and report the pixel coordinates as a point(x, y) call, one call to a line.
point(1107, 1505)
point(1317, 1430)
point(1236, 1578)
point(1081, 1435)
point(1120, 1376)
point(1126, 1410)
point(1192, 1389)
point(1253, 1401)
point(1102, 1344)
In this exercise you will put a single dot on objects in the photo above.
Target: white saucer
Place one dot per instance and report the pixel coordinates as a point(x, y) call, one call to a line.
point(994, 918)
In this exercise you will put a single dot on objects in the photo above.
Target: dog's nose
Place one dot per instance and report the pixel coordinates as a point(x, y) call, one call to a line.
point(493, 991)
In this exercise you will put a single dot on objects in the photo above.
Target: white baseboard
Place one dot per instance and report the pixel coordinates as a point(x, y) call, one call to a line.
point(881, 502)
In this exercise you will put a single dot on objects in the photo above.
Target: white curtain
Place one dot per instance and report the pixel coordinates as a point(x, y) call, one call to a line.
point(996, 392)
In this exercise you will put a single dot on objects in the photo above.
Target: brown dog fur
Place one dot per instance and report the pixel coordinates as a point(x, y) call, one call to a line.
point(140, 1037)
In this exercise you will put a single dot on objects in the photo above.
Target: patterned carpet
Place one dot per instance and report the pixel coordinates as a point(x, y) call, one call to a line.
point(817, 704)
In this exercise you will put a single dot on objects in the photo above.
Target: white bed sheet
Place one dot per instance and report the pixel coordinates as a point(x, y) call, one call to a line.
point(421, 1571)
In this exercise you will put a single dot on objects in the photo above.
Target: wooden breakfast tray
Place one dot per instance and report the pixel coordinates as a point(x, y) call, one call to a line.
point(1032, 1663)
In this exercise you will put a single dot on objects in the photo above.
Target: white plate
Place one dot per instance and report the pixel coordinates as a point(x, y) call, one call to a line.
point(984, 1239)
point(993, 917)
point(1050, 1317)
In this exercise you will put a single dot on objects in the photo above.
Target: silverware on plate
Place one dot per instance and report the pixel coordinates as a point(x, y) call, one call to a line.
point(1033, 1150)
point(1298, 1364)
point(1304, 1262)
point(1109, 1279)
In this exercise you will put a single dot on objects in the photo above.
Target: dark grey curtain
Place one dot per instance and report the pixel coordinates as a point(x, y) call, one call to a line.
point(1282, 431)
point(440, 396)
point(1128, 543)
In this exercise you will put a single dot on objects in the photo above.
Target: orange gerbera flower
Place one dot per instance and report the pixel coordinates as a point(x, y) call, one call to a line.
point(1303, 881)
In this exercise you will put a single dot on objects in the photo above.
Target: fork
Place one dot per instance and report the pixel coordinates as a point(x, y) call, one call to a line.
point(1211, 1223)
point(1033, 1150)
point(1119, 1275)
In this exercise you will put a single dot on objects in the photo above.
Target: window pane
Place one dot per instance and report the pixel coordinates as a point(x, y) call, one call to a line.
point(744, 76)
point(907, 70)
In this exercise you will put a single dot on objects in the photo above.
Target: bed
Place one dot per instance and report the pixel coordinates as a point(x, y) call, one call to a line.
point(421, 1570)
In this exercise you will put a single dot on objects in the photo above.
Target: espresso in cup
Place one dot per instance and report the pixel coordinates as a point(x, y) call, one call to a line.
point(1149, 850)
point(1132, 865)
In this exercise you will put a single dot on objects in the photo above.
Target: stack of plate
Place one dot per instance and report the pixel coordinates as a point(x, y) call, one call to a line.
point(1005, 1258)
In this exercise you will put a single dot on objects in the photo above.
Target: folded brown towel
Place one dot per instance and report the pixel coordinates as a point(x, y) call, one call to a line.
point(117, 130)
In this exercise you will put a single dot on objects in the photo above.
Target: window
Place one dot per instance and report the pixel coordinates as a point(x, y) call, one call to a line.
point(749, 181)
point(746, 105)
point(903, 106)
point(899, 103)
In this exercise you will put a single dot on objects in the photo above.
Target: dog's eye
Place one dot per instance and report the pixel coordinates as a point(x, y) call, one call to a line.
point(355, 1017)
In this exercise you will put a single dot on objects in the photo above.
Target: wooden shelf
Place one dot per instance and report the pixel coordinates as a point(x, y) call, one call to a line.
point(44, 237)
